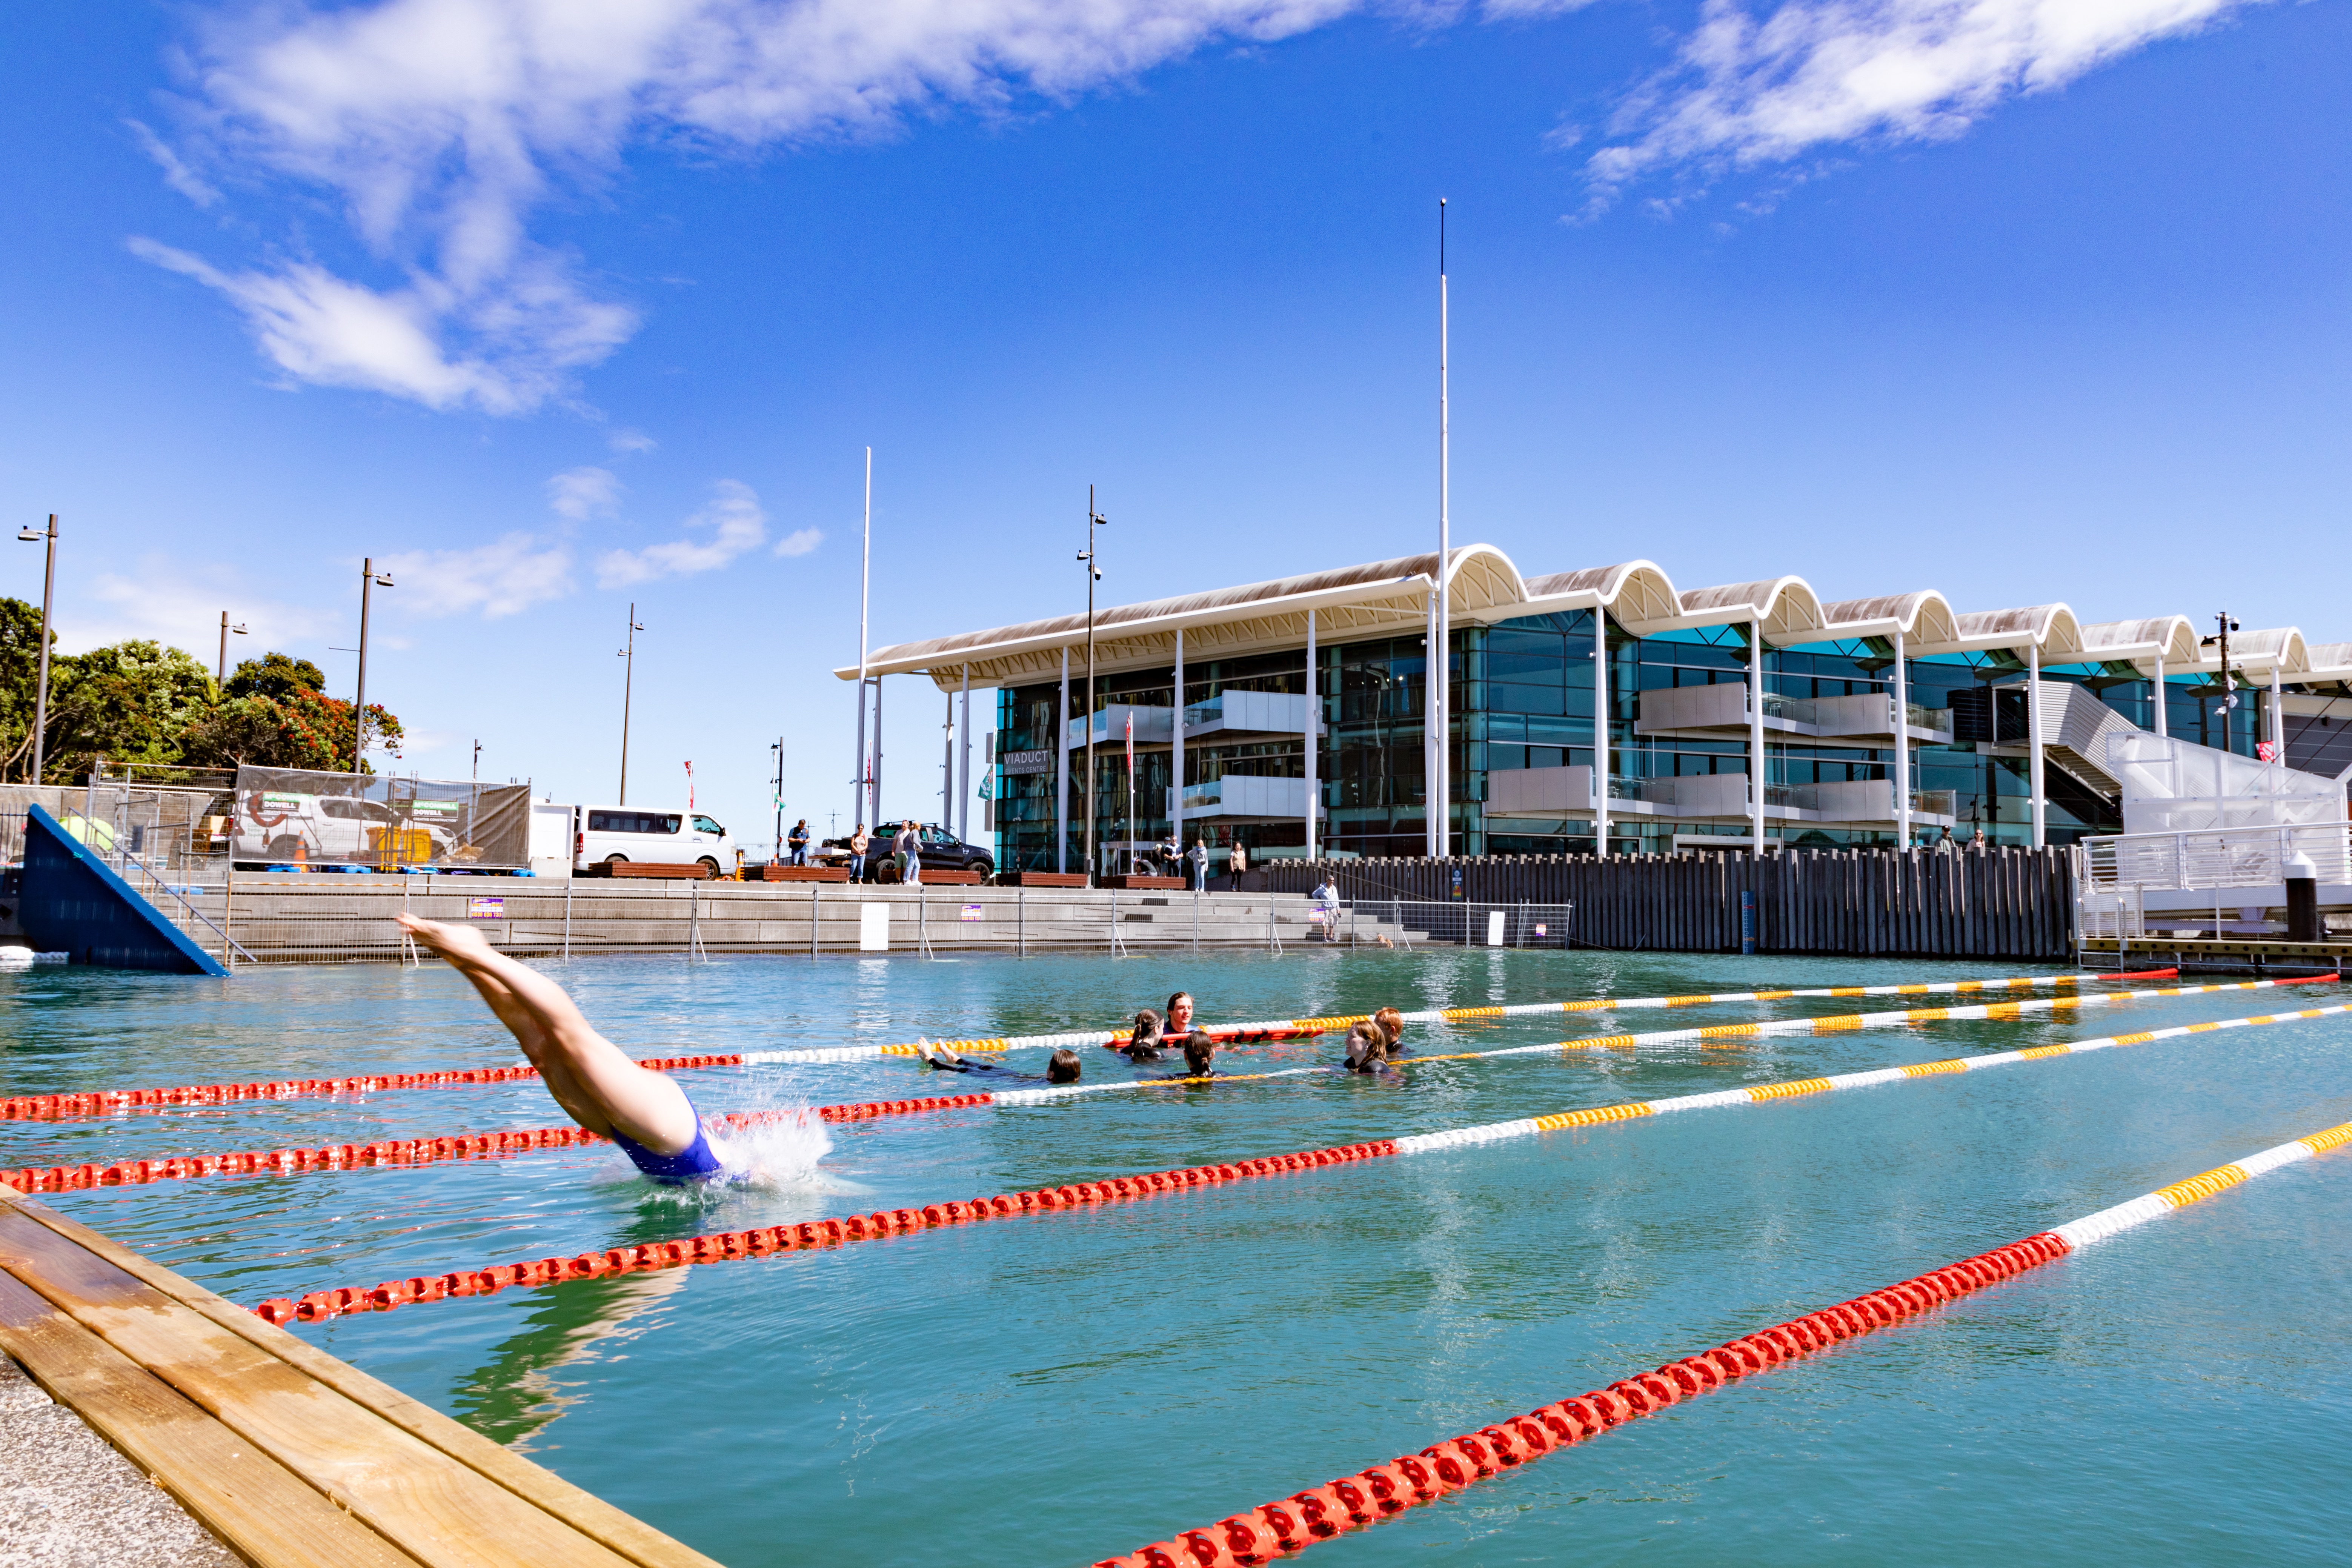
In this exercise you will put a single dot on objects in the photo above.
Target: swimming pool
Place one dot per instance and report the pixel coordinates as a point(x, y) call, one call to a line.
point(1065, 1387)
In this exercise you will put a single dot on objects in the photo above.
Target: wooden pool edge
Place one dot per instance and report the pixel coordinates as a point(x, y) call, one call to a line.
point(284, 1452)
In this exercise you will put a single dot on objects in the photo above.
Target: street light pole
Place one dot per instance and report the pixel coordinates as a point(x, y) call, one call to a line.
point(369, 580)
point(220, 673)
point(48, 592)
point(628, 681)
point(777, 854)
point(2229, 683)
point(1094, 574)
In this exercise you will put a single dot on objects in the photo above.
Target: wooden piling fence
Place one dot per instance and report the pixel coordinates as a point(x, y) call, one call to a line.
point(1969, 903)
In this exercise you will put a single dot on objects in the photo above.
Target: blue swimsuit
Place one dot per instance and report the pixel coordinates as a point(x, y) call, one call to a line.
point(698, 1161)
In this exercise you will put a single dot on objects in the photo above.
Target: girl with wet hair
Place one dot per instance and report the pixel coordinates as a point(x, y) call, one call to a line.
point(1391, 1027)
point(1368, 1048)
point(1143, 1039)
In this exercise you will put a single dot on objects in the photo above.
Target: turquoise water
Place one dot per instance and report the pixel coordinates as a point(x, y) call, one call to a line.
point(1065, 1387)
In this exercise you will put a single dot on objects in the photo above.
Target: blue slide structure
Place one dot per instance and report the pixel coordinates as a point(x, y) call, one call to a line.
point(71, 901)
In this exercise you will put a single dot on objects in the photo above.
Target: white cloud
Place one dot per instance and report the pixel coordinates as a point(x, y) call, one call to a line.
point(630, 442)
point(501, 579)
point(1746, 91)
point(176, 603)
point(583, 493)
point(441, 124)
point(176, 173)
point(800, 541)
point(736, 524)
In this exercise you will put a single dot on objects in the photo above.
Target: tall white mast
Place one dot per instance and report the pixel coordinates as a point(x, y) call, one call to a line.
point(1441, 790)
point(858, 811)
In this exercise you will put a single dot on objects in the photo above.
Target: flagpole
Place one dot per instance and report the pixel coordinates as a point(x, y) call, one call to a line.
point(1440, 655)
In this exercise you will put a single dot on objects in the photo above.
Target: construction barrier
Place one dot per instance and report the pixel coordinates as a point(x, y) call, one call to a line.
point(420, 1150)
point(108, 1101)
point(729, 1244)
point(1283, 1028)
point(1300, 1520)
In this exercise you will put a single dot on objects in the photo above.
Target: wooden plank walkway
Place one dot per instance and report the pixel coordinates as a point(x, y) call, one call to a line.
point(2242, 953)
point(287, 1454)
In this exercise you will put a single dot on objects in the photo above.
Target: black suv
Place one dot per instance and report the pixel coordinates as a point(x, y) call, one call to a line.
point(942, 851)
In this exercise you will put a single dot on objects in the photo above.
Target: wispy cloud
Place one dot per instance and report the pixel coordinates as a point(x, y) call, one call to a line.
point(1746, 90)
point(630, 442)
point(180, 602)
point(734, 522)
point(800, 541)
point(176, 173)
point(583, 493)
point(500, 579)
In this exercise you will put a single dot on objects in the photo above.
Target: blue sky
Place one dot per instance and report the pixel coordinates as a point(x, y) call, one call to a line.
point(2021, 299)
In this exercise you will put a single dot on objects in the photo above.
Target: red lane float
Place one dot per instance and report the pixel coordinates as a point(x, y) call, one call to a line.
point(757, 1243)
point(417, 1150)
point(30, 1107)
point(1271, 1529)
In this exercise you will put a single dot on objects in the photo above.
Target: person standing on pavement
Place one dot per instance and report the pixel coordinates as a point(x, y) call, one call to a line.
point(1199, 856)
point(908, 847)
point(859, 842)
point(799, 840)
point(1237, 863)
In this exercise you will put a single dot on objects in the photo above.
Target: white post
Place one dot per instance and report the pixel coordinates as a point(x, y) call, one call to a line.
point(2034, 737)
point(858, 808)
point(1440, 645)
point(1062, 770)
point(947, 765)
point(1902, 747)
point(1601, 730)
point(2158, 703)
point(2277, 718)
point(1429, 744)
point(1176, 764)
point(1314, 704)
point(1756, 729)
point(963, 773)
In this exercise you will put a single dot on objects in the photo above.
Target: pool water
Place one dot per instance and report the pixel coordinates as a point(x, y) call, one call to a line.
point(1065, 1387)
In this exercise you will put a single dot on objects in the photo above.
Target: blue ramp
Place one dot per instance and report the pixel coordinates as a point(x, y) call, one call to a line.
point(73, 902)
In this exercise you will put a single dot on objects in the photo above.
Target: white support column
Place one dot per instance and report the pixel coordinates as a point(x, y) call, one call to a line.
point(1601, 730)
point(2033, 740)
point(1431, 685)
point(1314, 716)
point(1062, 772)
point(2158, 703)
point(948, 766)
point(964, 771)
point(1176, 766)
point(1755, 730)
point(1902, 746)
point(2277, 716)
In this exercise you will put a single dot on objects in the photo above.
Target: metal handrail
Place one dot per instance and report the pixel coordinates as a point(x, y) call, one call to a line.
point(148, 872)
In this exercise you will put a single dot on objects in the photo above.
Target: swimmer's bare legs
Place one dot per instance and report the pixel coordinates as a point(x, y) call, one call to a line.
point(592, 1079)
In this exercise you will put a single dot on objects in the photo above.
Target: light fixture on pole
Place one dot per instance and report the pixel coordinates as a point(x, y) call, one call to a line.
point(2228, 624)
point(48, 592)
point(220, 673)
point(628, 681)
point(777, 856)
point(369, 580)
point(1094, 574)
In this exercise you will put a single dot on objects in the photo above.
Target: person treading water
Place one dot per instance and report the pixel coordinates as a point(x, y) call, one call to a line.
point(644, 1113)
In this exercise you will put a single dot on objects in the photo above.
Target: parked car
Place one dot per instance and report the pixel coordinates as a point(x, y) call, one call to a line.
point(298, 828)
point(603, 833)
point(942, 851)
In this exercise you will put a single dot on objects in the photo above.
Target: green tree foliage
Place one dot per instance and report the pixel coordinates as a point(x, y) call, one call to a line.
point(274, 675)
point(140, 701)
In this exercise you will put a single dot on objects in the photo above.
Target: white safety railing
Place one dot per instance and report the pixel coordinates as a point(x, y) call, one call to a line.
point(2216, 859)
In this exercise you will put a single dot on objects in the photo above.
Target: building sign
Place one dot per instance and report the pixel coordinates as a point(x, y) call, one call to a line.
point(971, 912)
point(486, 909)
point(1020, 763)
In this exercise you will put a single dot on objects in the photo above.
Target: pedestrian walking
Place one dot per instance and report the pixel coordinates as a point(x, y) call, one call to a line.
point(908, 847)
point(799, 841)
point(859, 842)
point(1237, 863)
point(1199, 856)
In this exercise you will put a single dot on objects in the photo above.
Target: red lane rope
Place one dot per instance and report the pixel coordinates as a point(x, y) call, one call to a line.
point(417, 1150)
point(30, 1107)
point(1382, 1491)
point(725, 1246)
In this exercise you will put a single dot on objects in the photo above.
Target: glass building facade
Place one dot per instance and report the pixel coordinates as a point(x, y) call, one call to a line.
point(1523, 696)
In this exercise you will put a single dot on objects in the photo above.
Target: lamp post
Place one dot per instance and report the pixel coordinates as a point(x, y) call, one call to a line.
point(1094, 574)
point(220, 672)
point(369, 580)
point(2227, 624)
point(48, 592)
point(628, 681)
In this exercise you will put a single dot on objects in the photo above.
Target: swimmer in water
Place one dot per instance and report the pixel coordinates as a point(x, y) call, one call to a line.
point(646, 1113)
point(1062, 1067)
point(1200, 1056)
point(1368, 1049)
point(1143, 1039)
point(1391, 1022)
point(1180, 1016)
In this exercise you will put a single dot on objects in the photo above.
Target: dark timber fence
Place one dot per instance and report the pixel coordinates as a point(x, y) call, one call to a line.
point(1993, 903)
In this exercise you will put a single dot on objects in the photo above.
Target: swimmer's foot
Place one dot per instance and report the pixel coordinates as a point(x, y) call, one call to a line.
point(456, 943)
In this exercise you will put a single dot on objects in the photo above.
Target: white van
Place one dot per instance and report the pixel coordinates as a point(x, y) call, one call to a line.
point(602, 834)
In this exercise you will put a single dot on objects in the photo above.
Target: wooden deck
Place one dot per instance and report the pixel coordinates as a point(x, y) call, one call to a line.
point(2242, 953)
point(287, 1454)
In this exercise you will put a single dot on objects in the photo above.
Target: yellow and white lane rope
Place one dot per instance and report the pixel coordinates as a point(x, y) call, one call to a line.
point(1280, 1028)
point(1714, 1034)
point(2197, 1189)
point(1791, 1089)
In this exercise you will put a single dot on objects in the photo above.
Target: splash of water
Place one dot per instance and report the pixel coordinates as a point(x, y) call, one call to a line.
point(786, 1147)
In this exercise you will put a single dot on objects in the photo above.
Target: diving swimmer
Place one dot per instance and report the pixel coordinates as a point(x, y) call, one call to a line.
point(648, 1114)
